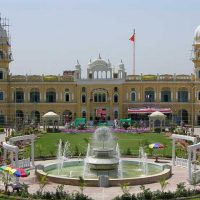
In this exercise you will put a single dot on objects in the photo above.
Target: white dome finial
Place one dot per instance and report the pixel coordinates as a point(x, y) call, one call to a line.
point(197, 35)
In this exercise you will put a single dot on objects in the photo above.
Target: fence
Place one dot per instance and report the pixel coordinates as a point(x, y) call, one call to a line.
point(24, 163)
point(181, 162)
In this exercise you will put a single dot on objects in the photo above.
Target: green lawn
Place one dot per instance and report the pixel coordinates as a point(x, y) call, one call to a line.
point(46, 145)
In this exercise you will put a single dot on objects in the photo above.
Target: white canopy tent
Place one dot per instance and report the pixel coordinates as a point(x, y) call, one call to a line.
point(156, 116)
point(50, 117)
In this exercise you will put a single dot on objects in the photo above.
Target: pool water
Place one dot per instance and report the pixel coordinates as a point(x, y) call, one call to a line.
point(130, 169)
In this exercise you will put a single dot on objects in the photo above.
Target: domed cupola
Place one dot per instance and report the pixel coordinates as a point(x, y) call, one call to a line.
point(77, 70)
point(98, 63)
point(78, 66)
point(196, 53)
point(99, 69)
point(197, 35)
point(121, 66)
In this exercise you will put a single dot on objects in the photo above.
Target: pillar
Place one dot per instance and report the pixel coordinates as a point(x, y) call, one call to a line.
point(32, 152)
point(194, 158)
point(189, 166)
point(173, 152)
point(16, 165)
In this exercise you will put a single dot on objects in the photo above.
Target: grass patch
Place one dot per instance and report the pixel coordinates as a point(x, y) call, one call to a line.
point(46, 145)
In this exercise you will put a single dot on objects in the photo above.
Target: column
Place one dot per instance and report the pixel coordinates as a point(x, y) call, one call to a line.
point(189, 166)
point(16, 165)
point(32, 152)
point(194, 158)
point(173, 152)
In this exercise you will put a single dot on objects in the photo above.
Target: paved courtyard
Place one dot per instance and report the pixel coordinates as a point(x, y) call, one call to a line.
point(99, 193)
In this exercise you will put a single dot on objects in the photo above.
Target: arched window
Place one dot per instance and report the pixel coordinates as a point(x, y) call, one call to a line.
point(1, 96)
point(1, 75)
point(51, 96)
point(35, 116)
point(83, 89)
point(19, 96)
point(83, 98)
point(116, 114)
point(67, 95)
point(95, 98)
point(198, 95)
point(19, 116)
point(2, 119)
point(103, 97)
point(34, 95)
point(1, 55)
point(133, 96)
point(83, 114)
point(166, 95)
point(149, 95)
point(100, 97)
point(115, 98)
point(182, 95)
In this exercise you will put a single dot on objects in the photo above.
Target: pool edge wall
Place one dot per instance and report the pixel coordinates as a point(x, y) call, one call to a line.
point(166, 173)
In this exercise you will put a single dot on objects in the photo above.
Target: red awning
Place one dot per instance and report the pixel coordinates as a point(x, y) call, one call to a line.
point(148, 110)
point(100, 111)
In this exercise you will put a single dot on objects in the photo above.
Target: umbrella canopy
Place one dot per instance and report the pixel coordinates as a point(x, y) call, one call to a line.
point(19, 172)
point(156, 146)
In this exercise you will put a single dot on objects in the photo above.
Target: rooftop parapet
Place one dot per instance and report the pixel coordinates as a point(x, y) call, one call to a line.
point(162, 77)
point(41, 78)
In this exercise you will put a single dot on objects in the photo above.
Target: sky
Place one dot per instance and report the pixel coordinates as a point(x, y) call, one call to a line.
point(48, 36)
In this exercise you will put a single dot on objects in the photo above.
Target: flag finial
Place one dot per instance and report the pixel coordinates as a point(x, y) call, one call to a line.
point(99, 56)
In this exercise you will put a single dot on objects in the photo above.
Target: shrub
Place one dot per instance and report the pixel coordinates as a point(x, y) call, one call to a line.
point(81, 126)
point(125, 125)
point(51, 130)
point(76, 151)
point(1, 130)
point(128, 151)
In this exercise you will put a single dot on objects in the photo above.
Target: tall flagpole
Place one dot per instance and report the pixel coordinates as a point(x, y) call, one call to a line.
point(132, 39)
point(134, 52)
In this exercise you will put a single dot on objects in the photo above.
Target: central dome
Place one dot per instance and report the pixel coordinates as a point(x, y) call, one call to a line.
point(197, 35)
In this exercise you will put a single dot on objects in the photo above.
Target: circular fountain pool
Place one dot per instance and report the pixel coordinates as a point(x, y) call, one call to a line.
point(132, 173)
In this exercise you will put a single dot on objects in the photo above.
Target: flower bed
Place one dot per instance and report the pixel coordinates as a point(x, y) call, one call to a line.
point(116, 130)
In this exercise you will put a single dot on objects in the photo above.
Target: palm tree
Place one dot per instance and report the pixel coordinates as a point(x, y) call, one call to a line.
point(163, 183)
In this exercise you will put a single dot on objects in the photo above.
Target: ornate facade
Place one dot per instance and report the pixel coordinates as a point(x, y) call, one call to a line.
point(107, 90)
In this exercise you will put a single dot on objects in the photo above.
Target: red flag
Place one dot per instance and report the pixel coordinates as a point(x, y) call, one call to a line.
point(132, 38)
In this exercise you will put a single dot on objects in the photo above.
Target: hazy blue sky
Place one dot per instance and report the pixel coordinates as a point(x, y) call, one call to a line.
point(48, 36)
